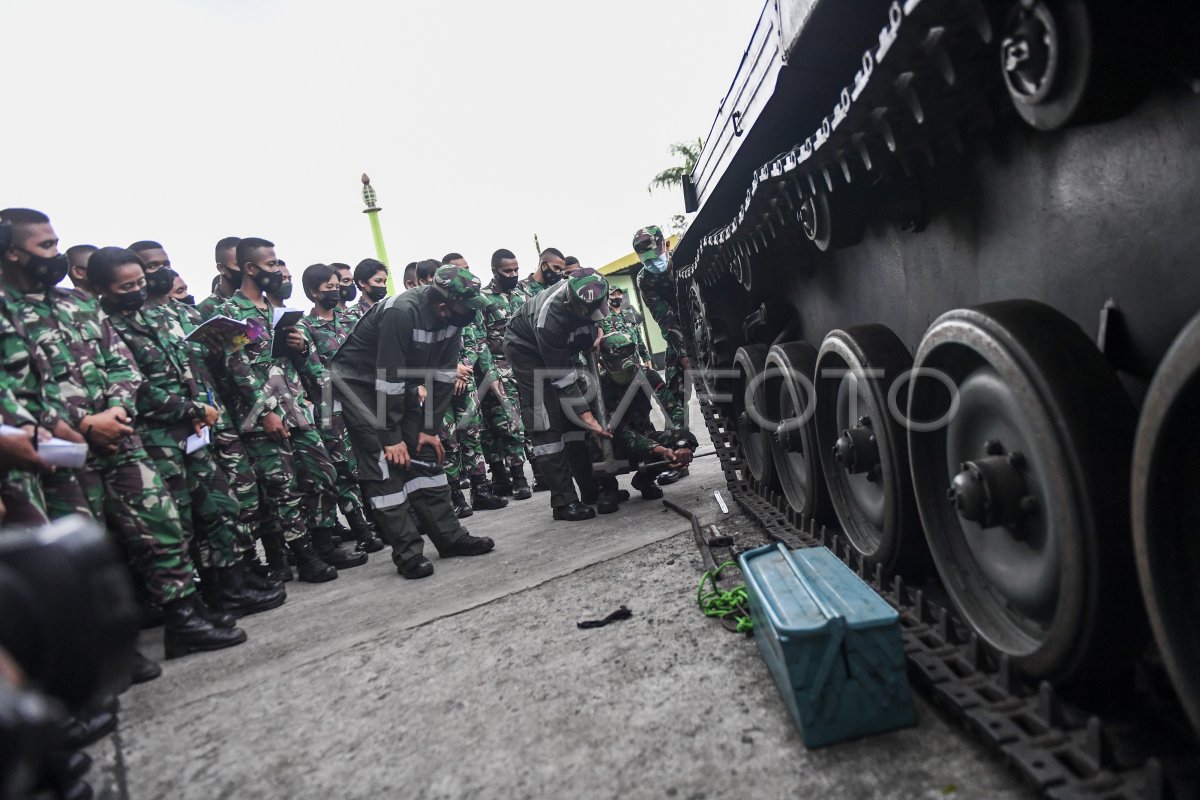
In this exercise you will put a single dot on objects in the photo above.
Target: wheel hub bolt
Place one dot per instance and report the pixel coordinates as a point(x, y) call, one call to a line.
point(787, 436)
point(857, 450)
point(991, 491)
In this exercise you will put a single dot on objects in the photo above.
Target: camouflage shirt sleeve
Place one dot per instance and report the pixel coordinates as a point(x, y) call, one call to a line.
point(123, 378)
point(658, 296)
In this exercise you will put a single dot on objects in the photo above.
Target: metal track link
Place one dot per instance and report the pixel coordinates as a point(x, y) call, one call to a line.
point(1065, 752)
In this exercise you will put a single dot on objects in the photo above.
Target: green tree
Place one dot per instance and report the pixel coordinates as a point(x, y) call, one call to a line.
point(672, 177)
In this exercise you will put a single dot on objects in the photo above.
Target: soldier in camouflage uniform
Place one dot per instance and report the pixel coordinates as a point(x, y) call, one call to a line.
point(165, 414)
point(503, 434)
point(462, 425)
point(229, 277)
point(295, 474)
point(634, 436)
point(658, 293)
point(370, 278)
point(324, 329)
point(411, 339)
point(31, 262)
point(619, 321)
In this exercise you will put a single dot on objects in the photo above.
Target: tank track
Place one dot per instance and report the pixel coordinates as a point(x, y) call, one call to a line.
point(1064, 751)
point(924, 86)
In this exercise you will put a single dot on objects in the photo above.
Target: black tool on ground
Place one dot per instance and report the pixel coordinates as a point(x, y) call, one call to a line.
point(710, 563)
point(620, 614)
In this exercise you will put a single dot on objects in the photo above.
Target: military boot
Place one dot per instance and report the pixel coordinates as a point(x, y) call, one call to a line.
point(467, 545)
point(501, 483)
point(520, 486)
point(482, 498)
point(142, 669)
point(257, 567)
point(643, 481)
point(221, 619)
point(364, 533)
point(277, 557)
point(341, 556)
point(186, 631)
point(461, 507)
point(236, 596)
point(309, 566)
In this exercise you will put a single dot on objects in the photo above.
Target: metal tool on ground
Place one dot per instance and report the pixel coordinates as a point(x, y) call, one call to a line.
point(608, 464)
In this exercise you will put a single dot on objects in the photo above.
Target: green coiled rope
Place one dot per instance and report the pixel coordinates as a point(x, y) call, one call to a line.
point(731, 606)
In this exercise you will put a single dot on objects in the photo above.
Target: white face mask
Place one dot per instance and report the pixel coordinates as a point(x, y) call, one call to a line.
point(657, 265)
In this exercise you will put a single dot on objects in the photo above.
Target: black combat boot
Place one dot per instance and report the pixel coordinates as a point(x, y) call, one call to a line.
point(461, 507)
point(364, 534)
point(142, 669)
point(671, 476)
point(220, 619)
point(185, 631)
point(482, 498)
point(341, 556)
point(607, 501)
point(467, 545)
point(309, 566)
point(574, 512)
point(277, 557)
point(414, 568)
point(643, 481)
point(236, 596)
point(520, 486)
point(256, 567)
point(501, 483)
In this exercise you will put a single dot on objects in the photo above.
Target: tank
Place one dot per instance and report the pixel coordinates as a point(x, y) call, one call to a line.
point(942, 280)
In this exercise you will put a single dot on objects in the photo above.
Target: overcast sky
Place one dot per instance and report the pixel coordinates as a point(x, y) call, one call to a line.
point(480, 123)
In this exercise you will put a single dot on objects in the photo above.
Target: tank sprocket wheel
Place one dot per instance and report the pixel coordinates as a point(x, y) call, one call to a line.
point(794, 440)
point(752, 414)
point(1165, 506)
point(1019, 437)
point(864, 452)
point(710, 345)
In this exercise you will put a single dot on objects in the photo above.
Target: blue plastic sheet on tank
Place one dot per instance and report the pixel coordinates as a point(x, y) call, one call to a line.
point(832, 644)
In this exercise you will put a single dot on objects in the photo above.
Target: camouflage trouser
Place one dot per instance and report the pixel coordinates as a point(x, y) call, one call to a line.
point(243, 483)
point(141, 514)
point(503, 434)
point(316, 477)
point(275, 467)
point(24, 501)
point(201, 494)
point(337, 445)
point(64, 494)
point(460, 435)
point(673, 397)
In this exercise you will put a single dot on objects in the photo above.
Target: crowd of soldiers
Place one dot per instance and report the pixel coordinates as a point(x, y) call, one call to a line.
point(230, 450)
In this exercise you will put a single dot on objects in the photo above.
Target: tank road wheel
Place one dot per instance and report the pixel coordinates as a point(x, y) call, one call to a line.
point(1019, 437)
point(832, 220)
point(750, 411)
point(864, 453)
point(1166, 505)
point(794, 442)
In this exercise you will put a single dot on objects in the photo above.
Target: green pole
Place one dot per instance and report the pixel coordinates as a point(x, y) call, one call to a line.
point(372, 211)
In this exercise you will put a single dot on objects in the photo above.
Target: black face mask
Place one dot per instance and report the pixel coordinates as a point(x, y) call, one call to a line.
point(376, 293)
point(129, 301)
point(348, 292)
point(614, 302)
point(551, 277)
point(462, 320)
point(269, 282)
point(190, 299)
point(45, 273)
point(160, 282)
point(329, 300)
point(235, 275)
point(284, 291)
point(507, 282)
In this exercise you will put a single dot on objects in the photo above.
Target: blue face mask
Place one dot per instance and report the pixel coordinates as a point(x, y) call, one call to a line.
point(657, 265)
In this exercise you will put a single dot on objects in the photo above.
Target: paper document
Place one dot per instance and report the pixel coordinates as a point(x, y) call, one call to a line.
point(198, 440)
point(58, 452)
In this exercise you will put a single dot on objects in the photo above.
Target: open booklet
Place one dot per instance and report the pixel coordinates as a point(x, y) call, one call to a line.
point(225, 332)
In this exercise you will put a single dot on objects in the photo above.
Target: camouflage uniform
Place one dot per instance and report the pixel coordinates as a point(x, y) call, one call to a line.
point(503, 434)
point(207, 308)
point(617, 322)
point(530, 287)
point(168, 405)
point(391, 351)
point(461, 424)
point(324, 337)
point(95, 371)
point(295, 476)
point(220, 477)
point(353, 313)
point(658, 295)
point(35, 398)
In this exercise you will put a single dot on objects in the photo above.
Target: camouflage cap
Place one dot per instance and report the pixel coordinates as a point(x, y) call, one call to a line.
point(459, 283)
point(617, 343)
point(589, 291)
point(648, 242)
